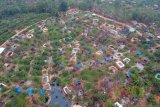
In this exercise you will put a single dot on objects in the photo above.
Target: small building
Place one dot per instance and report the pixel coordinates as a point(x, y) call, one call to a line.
point(3, 85)
point(126, 60)
point(41, 91)
point(131, 30)
point(45, 29)
point(158, 37)
point(129, 74)
point(66, 90)
point(103, 49)
point(76, 105)
point(140, 66)
point(29, 91)
point(18, 90)
point(99, 52)
point(118, 54)
point(79, 65)
point(139, 53)
point(45, 79)
point(47, 86)
point(120, 64)
point(121, 46)
point(134, 39)
point(113, 69)
point(29, 36)
point(117, 104)
point(60, 65)
point(78, 87)
point(2, 50)
point(101, 61)
point(18, 36)
point(157, 76)
point(73, 11)
point(28, 83)
point(74, 51)
point(70, 68)
point(107, 58)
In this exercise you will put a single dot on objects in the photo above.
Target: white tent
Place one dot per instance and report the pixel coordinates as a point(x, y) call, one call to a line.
point(1, 50)
point(117, 104)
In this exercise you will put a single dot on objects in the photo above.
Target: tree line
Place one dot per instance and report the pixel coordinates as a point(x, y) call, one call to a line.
point(142, 11)
point(9, 8)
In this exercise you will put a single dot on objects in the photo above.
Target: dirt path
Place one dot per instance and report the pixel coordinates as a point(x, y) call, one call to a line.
point(17, 33)
point(20, 31)
point(31, 68)
point(119, 23)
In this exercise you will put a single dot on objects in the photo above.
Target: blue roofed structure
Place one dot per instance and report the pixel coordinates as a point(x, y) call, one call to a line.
point(18, 90)
point(60, 65)
point(129, 74)
point(18, 37)
point(41, 91)
point(107, 58)
point(89, 52)
point(101, 61)
point(139, 53)
point(79, 65)
point(132, 30)
point(29, 91)
point(103, 49)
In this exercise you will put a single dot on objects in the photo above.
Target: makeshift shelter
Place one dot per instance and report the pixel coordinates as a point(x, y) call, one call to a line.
point(107, 58)
point(18, 37)
point(1, 50)
point(140, 66)
point(101, 61)
point(103, 49)
point(126, 60)
point(61, 65)
point(29, 91)
point(157, 76)
point(132, 30)
point(129, 74)
point(99, 52)
point(139, 53)
point(117, 104)
point(18, 90)
point(72, 21)
point(41, 91)
point(79, 65)
point(66, 90)
point(89, 52)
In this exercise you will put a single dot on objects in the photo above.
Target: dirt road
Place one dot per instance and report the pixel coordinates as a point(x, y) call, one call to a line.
point(17, 33)
point(20, 31)
point(119, 23)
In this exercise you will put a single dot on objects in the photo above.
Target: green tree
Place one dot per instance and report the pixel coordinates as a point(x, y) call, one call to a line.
point(63, 6)
point(108, 103)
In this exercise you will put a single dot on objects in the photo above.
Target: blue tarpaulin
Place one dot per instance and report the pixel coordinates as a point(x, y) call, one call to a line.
point(29, 91)
point(129, 74)
point(18, 90)
point(41, 91)
point(103, 49)
point(139, 53)
point(101, 61)
point(80, 65)
point(107, 58)
point(60, 65)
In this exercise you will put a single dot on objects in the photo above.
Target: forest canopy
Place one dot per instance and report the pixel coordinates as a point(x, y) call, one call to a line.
point(146, 11)
point(141, 10)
